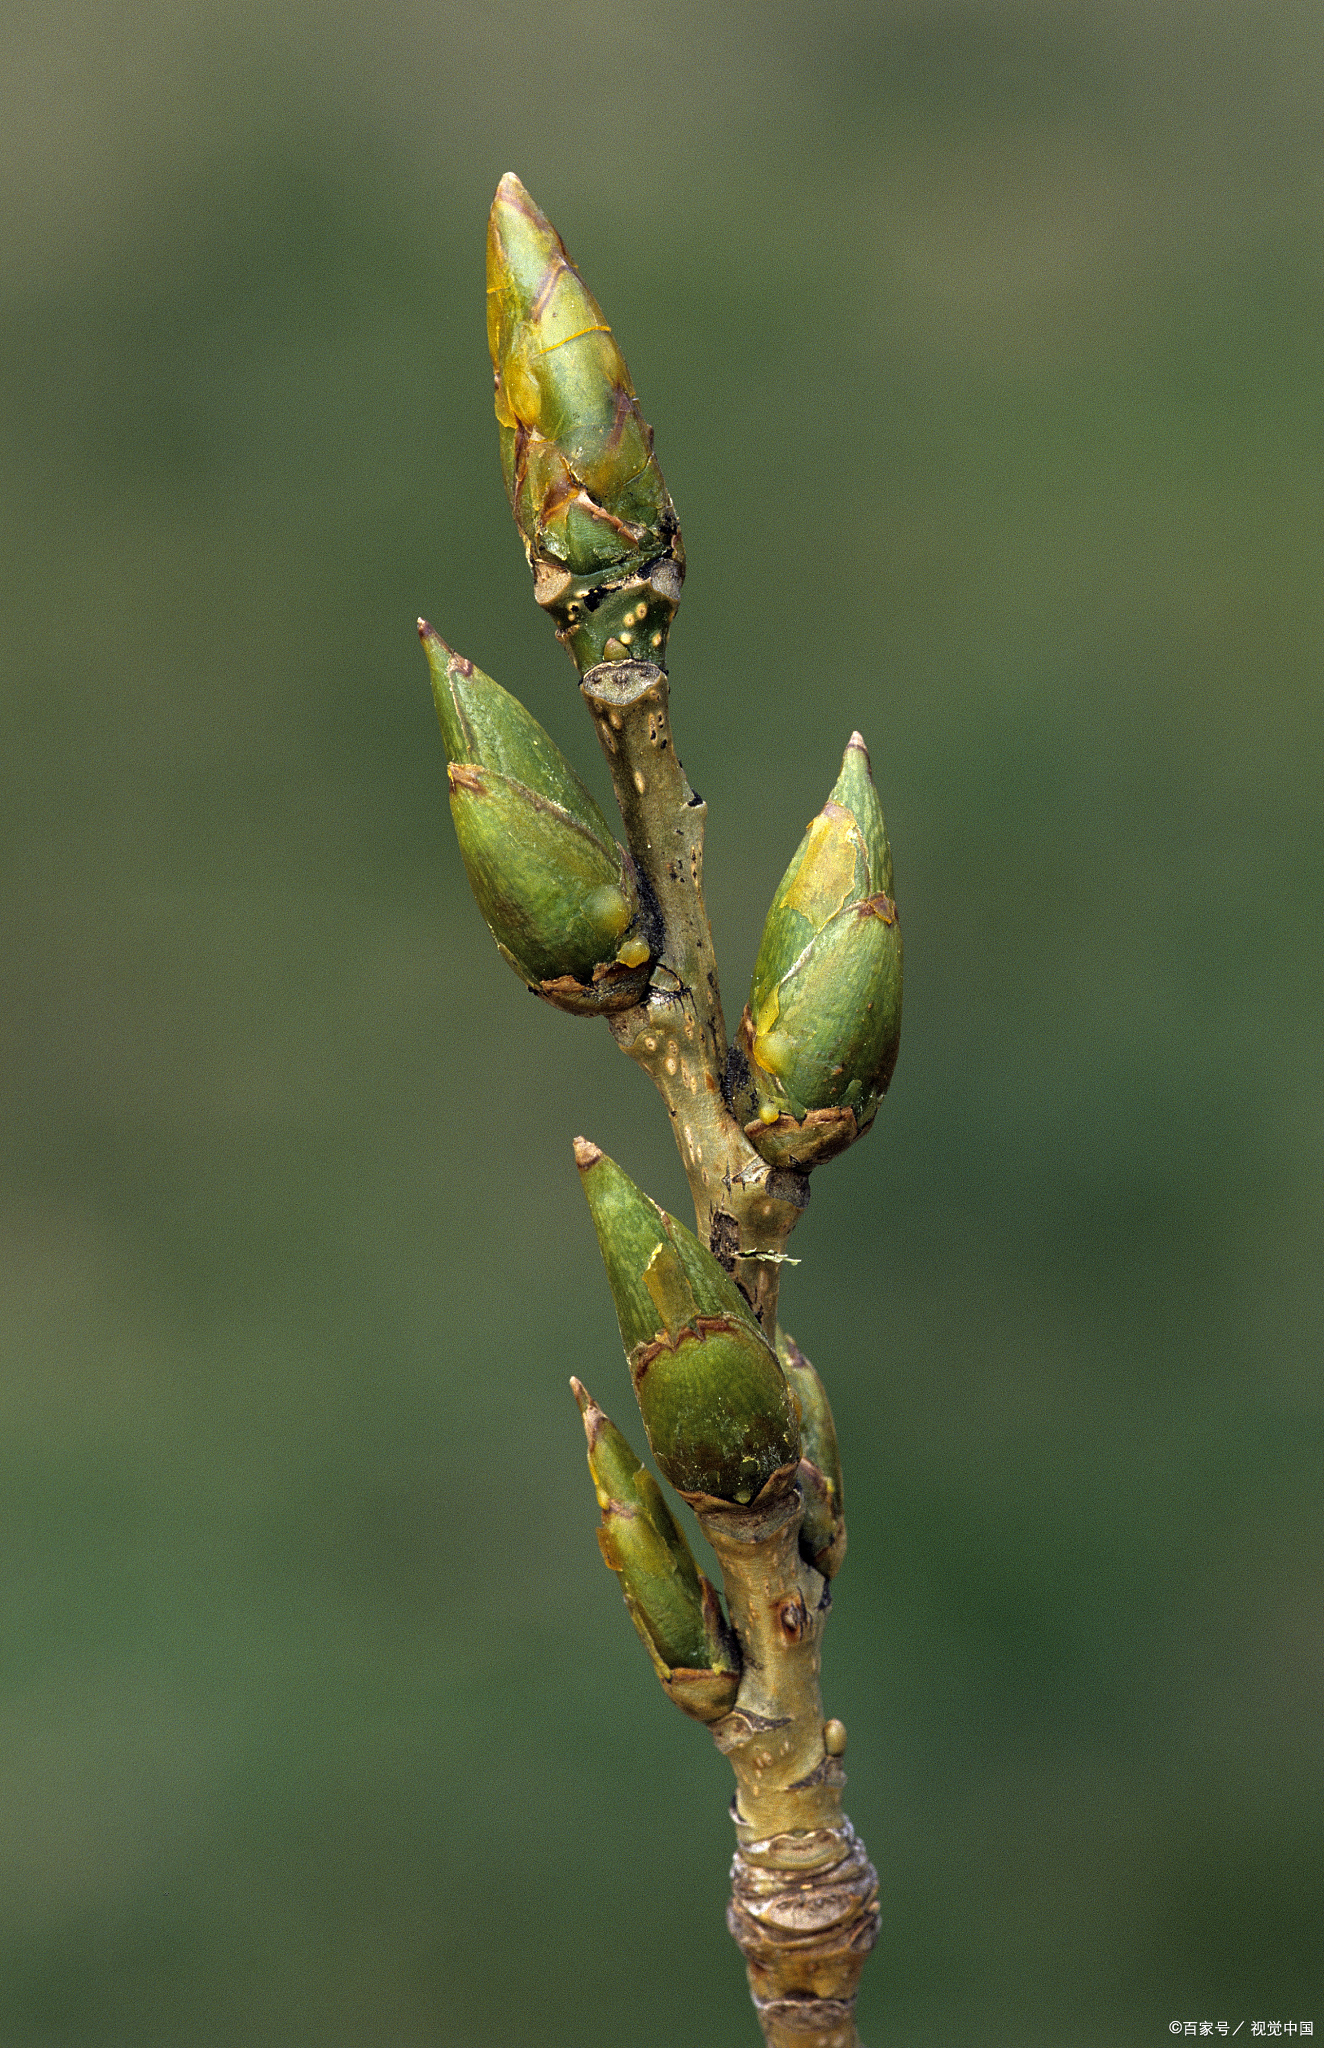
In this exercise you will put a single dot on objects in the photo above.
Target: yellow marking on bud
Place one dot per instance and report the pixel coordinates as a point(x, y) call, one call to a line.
point(657, 639)
point(650, 1044)
point(639, 782)
point(834, 1737)
point(827, 873)
point(522, 393)
point(769, 1113)
point(671, 1293)
point(773, 1051)
point(633, 953)
point(627, 639)
point(609, 909)
point(594, 327)
point(615, 720)
point(671, 1063)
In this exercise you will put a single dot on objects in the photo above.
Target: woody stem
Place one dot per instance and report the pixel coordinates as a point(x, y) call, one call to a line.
point(804, 1895)
point(745, 1209)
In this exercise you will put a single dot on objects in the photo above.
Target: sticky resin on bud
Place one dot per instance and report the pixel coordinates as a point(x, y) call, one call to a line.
point(597, 522)
point(673, 1606)
point(559, 895)
point(714, 1400)
point(818, 1039)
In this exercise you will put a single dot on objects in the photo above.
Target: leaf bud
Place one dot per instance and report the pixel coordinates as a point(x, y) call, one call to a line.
point(597, 521)
point(818, 1040)
point(715, 1403)
point(672, 1605)
point(559, 895)
point(823, 1527)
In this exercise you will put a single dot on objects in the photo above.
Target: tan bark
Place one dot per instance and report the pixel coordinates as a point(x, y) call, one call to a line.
point(804, 1903)
point(804, 1895)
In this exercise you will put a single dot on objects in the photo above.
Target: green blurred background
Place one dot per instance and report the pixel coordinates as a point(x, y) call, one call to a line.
point(983, 343)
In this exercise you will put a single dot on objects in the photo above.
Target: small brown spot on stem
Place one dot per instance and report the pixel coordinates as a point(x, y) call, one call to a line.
point(792, 1618)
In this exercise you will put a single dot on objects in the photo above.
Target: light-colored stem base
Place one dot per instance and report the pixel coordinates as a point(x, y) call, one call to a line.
point(804, 1896)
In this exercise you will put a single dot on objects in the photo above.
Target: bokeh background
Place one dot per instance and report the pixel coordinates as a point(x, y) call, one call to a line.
point(983, 343)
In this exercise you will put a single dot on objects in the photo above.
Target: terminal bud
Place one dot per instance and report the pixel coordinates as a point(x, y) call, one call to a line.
point(596, 519)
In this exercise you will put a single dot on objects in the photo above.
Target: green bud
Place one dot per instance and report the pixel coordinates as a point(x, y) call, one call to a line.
point(715, 1404)
point(597, 521)
point(558, 893)
point(823, 1527)
point(672, 1605)
point(823, 1021)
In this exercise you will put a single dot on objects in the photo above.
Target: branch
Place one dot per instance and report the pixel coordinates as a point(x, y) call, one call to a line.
point(627, 935)
point(745, 1209)
point(804, 1895)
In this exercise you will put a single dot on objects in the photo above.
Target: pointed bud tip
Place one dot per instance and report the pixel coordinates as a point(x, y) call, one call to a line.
point(594, 1418)
point(513, 196)
point(857, 740)
point(586, 1154)
point(455, 663)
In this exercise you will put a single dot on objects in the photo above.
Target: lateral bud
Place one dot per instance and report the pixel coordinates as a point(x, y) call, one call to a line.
point(673, 1606)
point(714, 1400)
point(818, 1039)
point(823, 1527)
point(559, 895)
point(596, 519)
